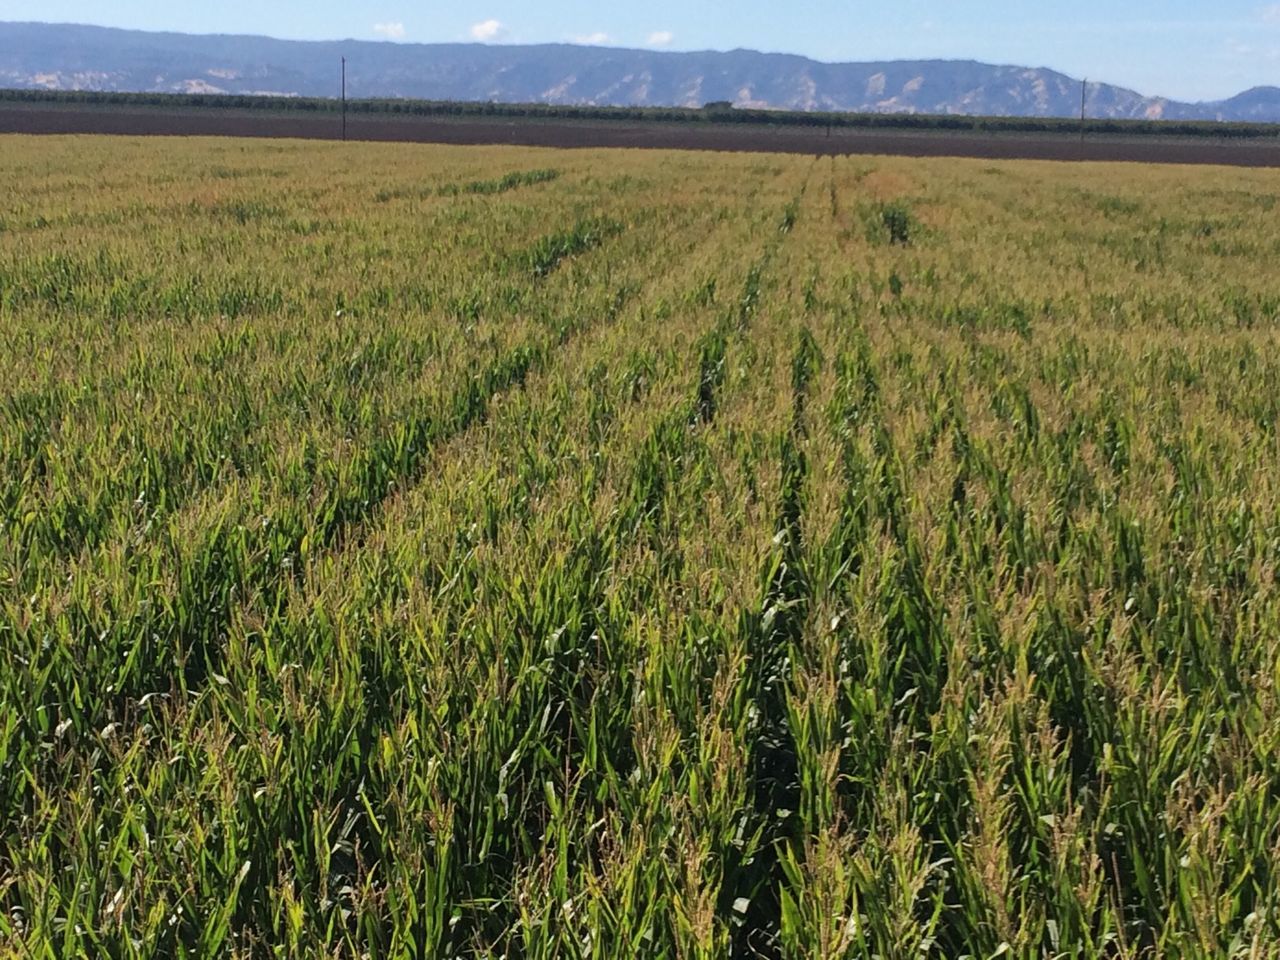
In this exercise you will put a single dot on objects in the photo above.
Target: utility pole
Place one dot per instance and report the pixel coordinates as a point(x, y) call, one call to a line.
point(344, 98)
point(1084, 93)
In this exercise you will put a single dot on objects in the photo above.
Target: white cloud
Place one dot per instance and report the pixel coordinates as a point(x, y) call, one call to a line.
point(592, 39)
point(661, 38)
point(392, 31)
point(487, 31)
point(1270, 13)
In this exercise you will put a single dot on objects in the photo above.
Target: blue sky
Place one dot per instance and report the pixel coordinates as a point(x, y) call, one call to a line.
point(1188, 49)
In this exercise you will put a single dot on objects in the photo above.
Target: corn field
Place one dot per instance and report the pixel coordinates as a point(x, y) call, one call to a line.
point(416, 552)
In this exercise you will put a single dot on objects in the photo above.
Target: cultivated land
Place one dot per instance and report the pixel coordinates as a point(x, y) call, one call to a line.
point(427, 551)
point(1009, 138)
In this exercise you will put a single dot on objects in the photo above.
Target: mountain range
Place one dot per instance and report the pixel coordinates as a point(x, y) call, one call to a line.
point(72, 57)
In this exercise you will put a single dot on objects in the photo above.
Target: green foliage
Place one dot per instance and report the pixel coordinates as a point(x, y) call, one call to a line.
point(891, 223)
point(686, 558)
point(548, 253)
point(501, 185)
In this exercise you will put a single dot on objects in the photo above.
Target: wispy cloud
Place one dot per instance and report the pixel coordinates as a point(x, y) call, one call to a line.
point(1270, 13)
point(486, 31)
point(661, 38)
point(392, 31)
point(596, 39)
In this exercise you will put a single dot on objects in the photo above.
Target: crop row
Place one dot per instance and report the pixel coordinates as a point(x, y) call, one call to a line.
point(691, 556)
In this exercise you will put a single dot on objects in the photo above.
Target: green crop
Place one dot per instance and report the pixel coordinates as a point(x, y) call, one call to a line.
point(414, 552)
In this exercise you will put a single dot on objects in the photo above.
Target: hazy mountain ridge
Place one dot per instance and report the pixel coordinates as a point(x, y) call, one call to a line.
point(65, 57)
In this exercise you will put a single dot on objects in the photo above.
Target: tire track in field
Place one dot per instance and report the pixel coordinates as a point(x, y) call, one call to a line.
point(62, 529)
point(642, 521)
point(546, 255)
point(156, 632)
point(560, 701)
point(397, 458)
point(776, 630)
point(714, 345)
point(180, 648)
point(158, 481)
point(772, 764)
point(186, 634)
point(179, 634)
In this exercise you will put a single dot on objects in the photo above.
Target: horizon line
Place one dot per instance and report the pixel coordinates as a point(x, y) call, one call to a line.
point(652, 51)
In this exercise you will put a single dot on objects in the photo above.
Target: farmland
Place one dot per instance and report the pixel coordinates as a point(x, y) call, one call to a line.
point(485, 552)
point(750, 131)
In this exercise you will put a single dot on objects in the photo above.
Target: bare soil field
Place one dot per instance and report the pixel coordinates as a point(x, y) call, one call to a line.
point(23, 118)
